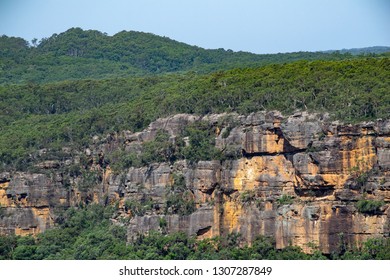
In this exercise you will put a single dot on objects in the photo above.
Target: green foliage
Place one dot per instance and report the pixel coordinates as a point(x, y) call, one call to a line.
point(180, 203)
point(201, 146)
point(285, 199)
point(163, 223)
point(25, 249)
point(228, 123)
point(7, 246)
point(369, 206)
point(161, 149)
point(81, 234)
point(371, 249)
point(90, 54)
point(248, 197)
point(70, 113)
point(226, 132)
point(362, 179)
point(179, 199)
point(120, 160)
point(86, 233)
point(376, 248)
point(139, 208)
point(89, 180)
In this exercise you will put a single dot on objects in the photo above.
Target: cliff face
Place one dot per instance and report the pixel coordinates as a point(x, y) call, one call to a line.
point(300, 179)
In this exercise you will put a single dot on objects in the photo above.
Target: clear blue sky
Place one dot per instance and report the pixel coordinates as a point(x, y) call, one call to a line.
point(259, 26)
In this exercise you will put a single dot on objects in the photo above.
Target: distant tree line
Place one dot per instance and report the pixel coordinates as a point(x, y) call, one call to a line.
point(77, 54)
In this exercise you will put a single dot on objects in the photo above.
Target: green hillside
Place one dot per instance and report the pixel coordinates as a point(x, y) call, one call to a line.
point(69, 113)
point(78, 54)
point(359, 51)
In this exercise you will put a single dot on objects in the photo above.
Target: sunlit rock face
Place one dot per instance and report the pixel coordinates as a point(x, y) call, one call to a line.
point(296, 178)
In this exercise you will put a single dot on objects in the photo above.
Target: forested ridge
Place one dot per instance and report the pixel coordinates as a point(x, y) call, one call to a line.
point(64, 90)
point(77, 54)
point(70, 113)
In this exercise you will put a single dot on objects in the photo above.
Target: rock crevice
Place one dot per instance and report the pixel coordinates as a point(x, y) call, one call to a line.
point(298, 179)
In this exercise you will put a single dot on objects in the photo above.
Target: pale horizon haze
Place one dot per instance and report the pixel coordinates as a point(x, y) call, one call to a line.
point(247, 25)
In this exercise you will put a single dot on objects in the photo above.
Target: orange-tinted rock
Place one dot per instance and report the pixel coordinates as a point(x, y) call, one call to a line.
point(298, 179)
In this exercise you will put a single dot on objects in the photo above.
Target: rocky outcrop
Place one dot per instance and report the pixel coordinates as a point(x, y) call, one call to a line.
point(297, 178)
point(27, 201)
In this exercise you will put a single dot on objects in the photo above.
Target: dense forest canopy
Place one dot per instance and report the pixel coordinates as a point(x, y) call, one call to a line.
point(78, 54)
point(69, 113)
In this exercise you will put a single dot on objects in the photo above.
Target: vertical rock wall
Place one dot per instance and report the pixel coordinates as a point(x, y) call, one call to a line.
point(298, 178)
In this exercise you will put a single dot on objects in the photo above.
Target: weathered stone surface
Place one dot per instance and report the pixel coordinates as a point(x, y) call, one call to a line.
point(383, 151)
point(36, 190)
point(296, 178)
point(200, 223)
point(25, 220)
point(301, 130)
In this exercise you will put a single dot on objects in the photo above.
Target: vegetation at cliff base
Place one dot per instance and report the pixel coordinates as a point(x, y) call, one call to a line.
point(87, 234)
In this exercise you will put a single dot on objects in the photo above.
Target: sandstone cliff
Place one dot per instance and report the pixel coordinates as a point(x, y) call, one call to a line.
point(301, 179)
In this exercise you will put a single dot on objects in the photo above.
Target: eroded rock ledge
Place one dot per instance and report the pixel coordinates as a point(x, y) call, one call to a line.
point(298, 178)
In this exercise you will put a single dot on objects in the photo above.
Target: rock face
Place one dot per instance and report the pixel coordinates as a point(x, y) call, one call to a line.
point(296, 178)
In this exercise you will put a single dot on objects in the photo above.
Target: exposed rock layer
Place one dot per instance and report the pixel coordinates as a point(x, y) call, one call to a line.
point(298, 179)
